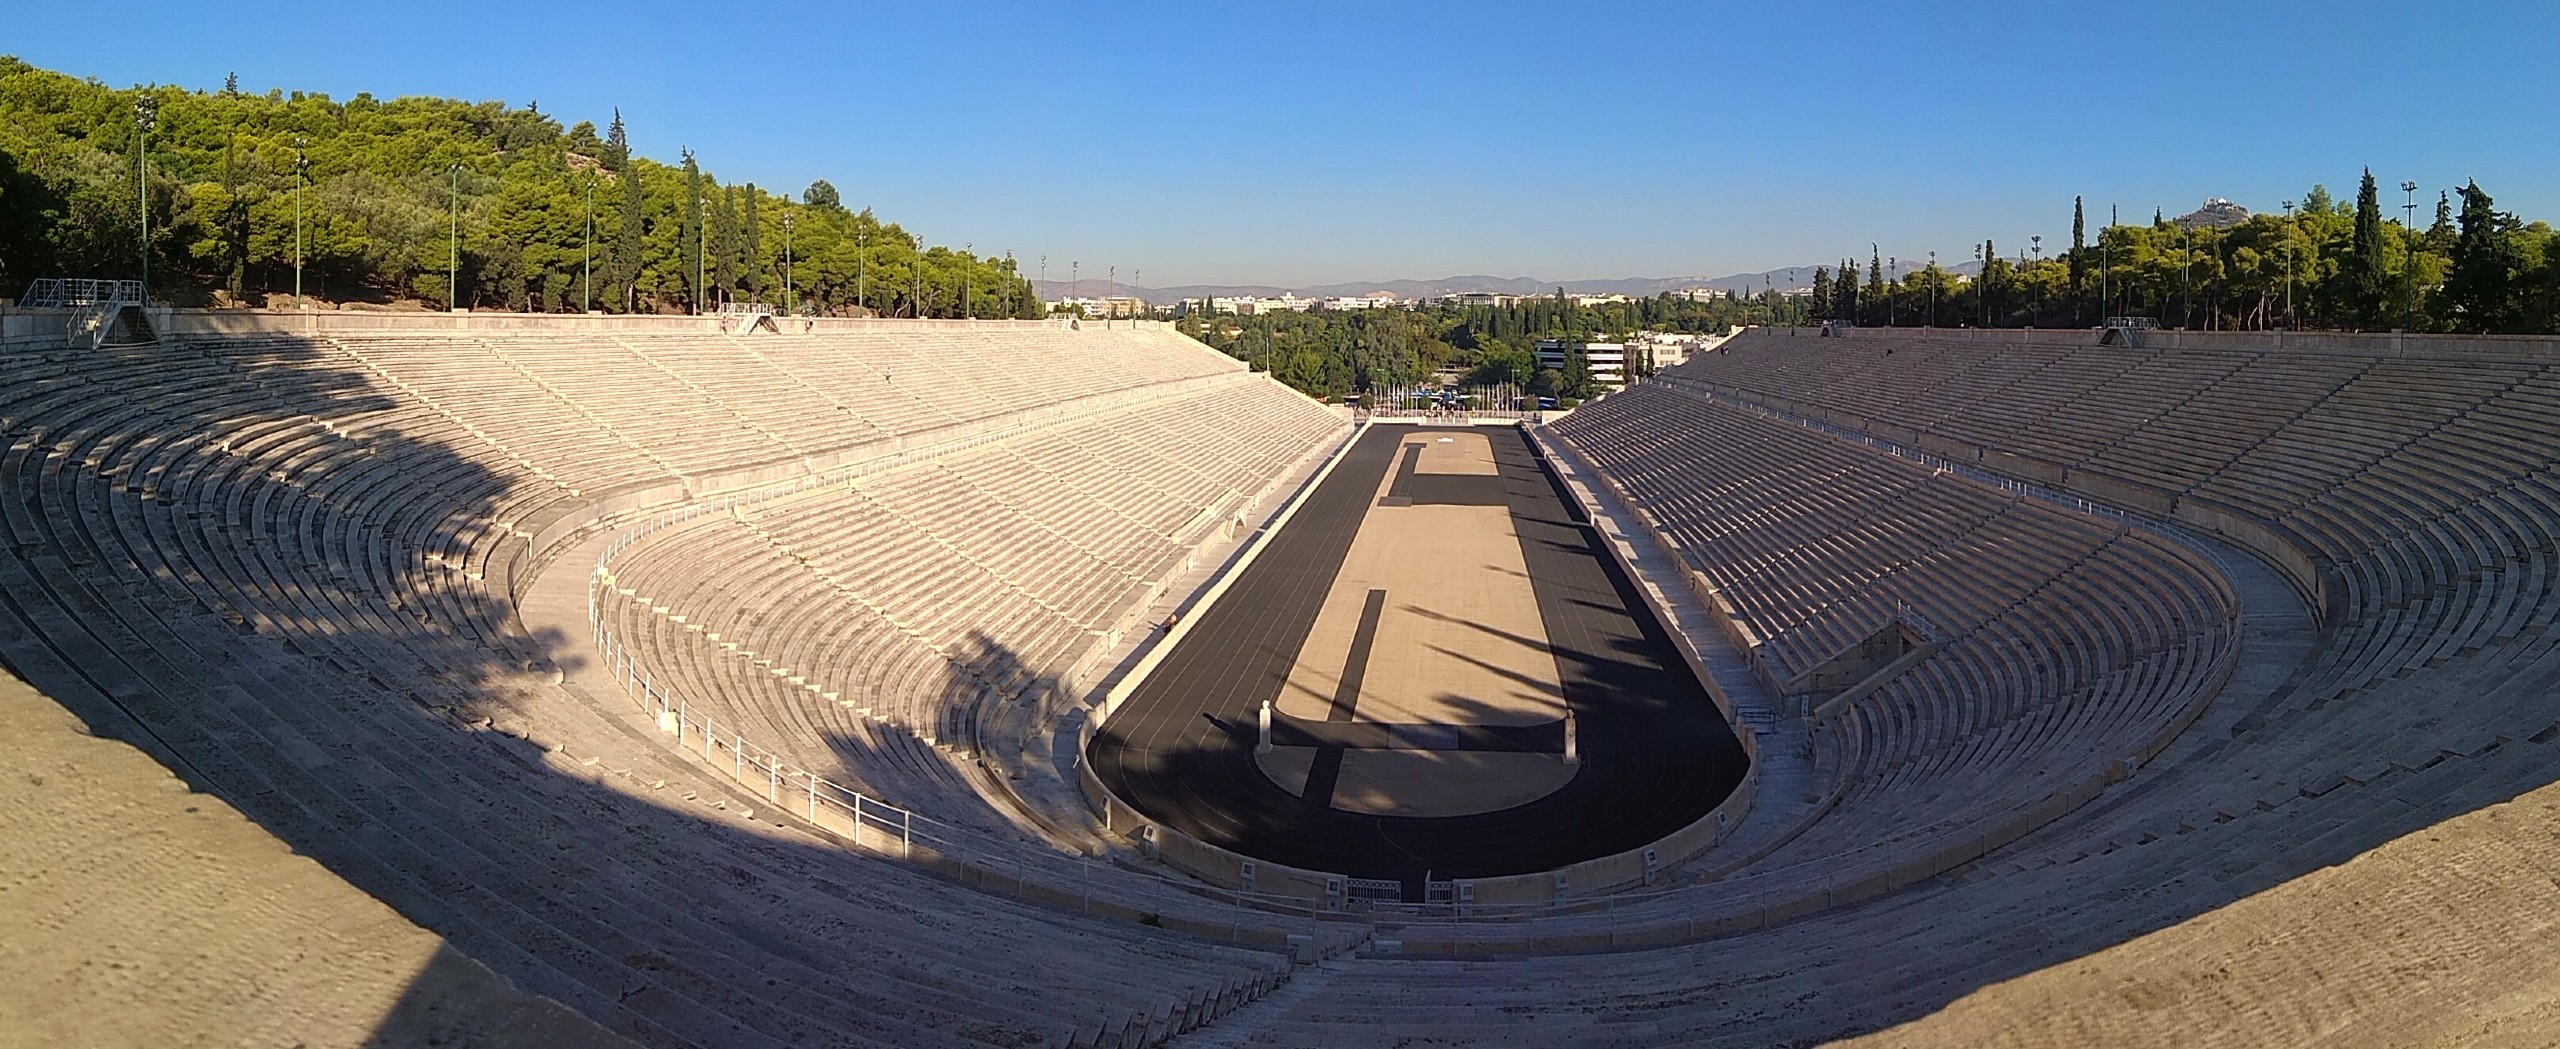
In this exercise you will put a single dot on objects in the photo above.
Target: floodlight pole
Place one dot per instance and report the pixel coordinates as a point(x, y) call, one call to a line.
point(1935, 278)
point(301, 174)
point(2038, 241)
point(789, 304)
point(701, 251)
point(587, 268)
point(968, 279)
point(2288, 264)
point(862, 269)
point(2409, 263)
point(1044, 285)
point(146, 115)
point(2186, 287)
point(2103, 264)
point(453, 259)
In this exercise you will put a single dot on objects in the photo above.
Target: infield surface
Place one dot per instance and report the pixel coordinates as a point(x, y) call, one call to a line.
point(1421, 627)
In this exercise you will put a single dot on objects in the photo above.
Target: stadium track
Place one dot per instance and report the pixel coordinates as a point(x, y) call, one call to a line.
point(1657, 754)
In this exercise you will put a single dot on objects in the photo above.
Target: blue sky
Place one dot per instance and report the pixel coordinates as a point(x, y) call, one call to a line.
point(1313, 143)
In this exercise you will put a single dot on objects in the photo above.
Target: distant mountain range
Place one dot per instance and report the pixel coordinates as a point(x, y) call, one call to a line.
point(1791, 278)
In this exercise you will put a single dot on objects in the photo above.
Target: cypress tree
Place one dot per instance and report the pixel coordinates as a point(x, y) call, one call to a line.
point(622, 260)
point(1875, 284)
point(2368, 283)
point(1821, 297)
point(2480, 286)
point(1992, 274)
point(724, 242)
point(1847, 289)
point(2079, 245)
point(689, 235)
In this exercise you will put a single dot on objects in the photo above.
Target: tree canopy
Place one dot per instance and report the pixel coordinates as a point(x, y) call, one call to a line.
point(2328, 265)
point(390, 188)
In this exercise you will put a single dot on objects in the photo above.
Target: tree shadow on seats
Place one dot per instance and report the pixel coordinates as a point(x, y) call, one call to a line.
point(253, 558)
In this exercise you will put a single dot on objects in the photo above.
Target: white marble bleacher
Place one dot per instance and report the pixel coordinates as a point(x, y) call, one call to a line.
point(913, 597)
point(271, 558)
point(2415, 484)
point(2426, 699)
point(1815, 541)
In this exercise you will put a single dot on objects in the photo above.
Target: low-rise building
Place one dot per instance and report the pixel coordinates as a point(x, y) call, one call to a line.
point(1608, 359)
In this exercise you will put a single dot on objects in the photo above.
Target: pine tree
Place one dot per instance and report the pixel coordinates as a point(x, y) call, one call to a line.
point(2480, 286)
point(2079, 245)
point(1821, 297)
point(2368, 282)
point(689, 235)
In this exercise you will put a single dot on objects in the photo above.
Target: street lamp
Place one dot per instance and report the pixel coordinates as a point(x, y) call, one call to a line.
point(2409, 265)
point(790, 303)
point(968, 279)
point(1110, 291)
point(301, 174)
point(146, 116)
point(701, 254)
point(862, 269)
point(453, 260)
point(1044, 285)
point(1934, 280)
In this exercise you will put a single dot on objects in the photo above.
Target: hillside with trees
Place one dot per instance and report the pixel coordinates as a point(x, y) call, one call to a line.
point(2326, 264)
point(395, 194)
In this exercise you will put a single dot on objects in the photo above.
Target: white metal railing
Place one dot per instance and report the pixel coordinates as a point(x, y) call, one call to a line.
point(58, 292)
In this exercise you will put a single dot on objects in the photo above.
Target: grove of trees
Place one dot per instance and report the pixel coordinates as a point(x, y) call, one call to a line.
point(2326, 264)
point(545, 218)
point(1331, 353)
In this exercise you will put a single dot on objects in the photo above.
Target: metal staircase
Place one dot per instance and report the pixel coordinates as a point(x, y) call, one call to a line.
point(104, 312)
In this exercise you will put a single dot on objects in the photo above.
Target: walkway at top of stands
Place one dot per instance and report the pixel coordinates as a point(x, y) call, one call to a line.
point(45, 325)
point(2539, 349)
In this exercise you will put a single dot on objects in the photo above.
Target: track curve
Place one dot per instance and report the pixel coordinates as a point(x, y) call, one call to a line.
point(1657, 753)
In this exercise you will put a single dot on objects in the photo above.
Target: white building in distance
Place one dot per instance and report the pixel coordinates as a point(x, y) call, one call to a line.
point(1115, 306)
point(1608, 359)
